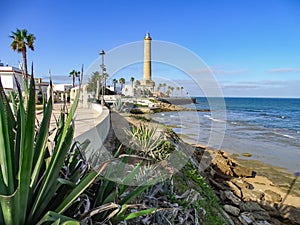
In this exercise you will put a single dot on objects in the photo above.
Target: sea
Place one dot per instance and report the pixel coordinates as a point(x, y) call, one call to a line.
point(267, 128)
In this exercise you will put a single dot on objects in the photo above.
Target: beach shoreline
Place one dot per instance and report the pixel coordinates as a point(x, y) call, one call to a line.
point(278, 175)
point(272, 187)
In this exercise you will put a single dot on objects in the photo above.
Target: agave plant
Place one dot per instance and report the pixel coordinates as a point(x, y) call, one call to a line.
point(118, 105)
point(29, 172)
point(144, 140)
point(148, 142)
point(113, 199)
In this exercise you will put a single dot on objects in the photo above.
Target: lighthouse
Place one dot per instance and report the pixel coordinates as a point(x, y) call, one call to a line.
point(147, 81)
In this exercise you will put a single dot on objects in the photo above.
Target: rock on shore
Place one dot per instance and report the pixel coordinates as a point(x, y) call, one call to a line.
point(248, 198)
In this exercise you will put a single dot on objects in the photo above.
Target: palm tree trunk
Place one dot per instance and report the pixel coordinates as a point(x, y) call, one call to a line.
point(25, 66)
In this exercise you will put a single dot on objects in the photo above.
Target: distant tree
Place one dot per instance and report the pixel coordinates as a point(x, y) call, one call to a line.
point(168, 93)
point(177, 89)
point(159, 87)
point(171, 89)
point(164, 86)
point(137, 83)
point(137, 87)
point(115, 81)
point(181, 88)
point(132, 80)
point(74, 74)
point(104, 76)
point(122, 82)
point(21, 40)
point(92, 82)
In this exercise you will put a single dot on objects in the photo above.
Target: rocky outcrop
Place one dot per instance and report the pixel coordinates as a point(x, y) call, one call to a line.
point(241, 201)
point(167, 107)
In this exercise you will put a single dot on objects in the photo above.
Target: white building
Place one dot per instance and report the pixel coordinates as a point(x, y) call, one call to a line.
point(62, 87)
point(7, 75)
point(128, 90)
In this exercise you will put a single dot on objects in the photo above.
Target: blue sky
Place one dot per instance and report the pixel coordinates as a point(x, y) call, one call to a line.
point(253, 47)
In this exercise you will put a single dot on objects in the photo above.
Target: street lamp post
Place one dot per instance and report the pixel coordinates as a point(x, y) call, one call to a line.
point(102, 66)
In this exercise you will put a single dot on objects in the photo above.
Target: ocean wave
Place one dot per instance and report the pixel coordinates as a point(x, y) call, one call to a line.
point(286, 135)
point(214, 119)
point(273, 115)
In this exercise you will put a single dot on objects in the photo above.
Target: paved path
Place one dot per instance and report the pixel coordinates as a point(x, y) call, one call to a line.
point(85, 118)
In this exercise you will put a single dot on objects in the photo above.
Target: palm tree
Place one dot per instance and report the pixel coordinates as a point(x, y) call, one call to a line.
point(168, 93)
point(74, 74)
point(181, 88)
point(164, 85)
point(122, 81)
point(132, 80)
point(115, 81)
point(93, 80)
point(159, 87)
point(21, 40)
point(177, 89)
point(170, 89)
point(138, 87)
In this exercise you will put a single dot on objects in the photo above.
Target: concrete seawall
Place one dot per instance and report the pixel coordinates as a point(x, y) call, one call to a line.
point(91, 129)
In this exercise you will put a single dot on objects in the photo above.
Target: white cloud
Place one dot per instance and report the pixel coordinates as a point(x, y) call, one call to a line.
point(284, 70)
point(264, 88)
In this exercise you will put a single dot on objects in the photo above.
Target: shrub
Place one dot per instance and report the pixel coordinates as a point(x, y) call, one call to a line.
point(30, 173)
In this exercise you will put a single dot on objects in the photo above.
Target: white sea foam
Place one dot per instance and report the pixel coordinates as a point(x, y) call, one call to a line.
point(285, 135)
point(214, 119)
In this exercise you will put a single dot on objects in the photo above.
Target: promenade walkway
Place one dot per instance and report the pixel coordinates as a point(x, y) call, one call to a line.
point(85, 118)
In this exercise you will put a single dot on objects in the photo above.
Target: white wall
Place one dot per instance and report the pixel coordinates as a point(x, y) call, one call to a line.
point(95, 153)
point(7, 74)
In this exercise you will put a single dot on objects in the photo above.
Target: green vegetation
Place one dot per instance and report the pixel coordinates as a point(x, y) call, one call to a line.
point(21, 40)
point(141, 105)
point(209, 201)
point(112, 199)
point(141, 118)
point(92, 82)
point(122, 82)
point(148, 142)
point(29, 169)
point(74, 74)
point(53, 184)
point(132, 80)
point(246, 154)
point(118, 105)
point(115, 81)
point(42, 185)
